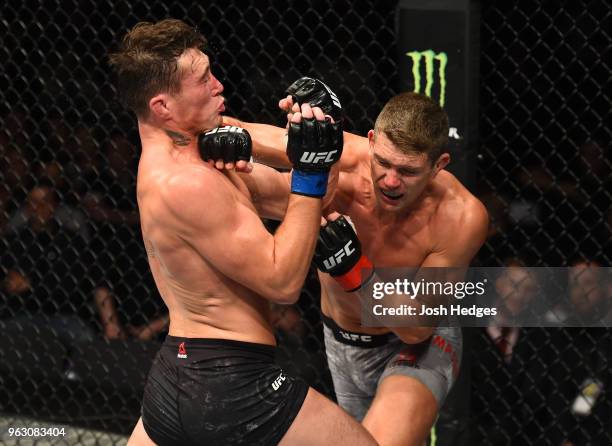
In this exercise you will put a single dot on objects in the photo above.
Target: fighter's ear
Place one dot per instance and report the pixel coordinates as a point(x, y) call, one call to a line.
point(441, 163)
point(158, 105)
point(371, 137)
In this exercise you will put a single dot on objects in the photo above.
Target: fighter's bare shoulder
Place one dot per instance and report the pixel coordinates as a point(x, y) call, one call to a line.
point(458, 206)
point(355, 151)
point(461, 219)
point(196, 195)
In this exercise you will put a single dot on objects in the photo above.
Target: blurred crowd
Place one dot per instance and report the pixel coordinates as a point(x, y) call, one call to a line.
point(72, 254)
point(551, 212)
point(551, 385)
point(70, 232)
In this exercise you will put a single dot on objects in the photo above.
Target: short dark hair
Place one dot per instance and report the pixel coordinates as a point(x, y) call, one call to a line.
point(147, 62)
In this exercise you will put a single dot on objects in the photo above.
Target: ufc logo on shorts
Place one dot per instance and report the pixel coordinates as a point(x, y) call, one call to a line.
point(317, 157)
point(334, 98)
point(355, 337)
point(226, 129)
point(332, 261)
point(278, 381)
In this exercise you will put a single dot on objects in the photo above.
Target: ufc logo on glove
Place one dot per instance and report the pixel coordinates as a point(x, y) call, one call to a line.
point(317, 157)
point(226, 129)
point(332, 261)
point(334, 98)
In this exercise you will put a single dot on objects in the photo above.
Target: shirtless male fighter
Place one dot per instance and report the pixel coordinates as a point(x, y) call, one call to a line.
point(214, 381)
point(407, 211)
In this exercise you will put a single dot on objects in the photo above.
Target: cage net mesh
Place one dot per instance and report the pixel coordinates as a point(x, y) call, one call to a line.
point(80, 315)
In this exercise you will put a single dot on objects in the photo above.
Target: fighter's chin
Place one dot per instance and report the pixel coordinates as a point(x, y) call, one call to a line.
point(389, 205)
point(389, 201)
point(214, 121)
point(385, 205)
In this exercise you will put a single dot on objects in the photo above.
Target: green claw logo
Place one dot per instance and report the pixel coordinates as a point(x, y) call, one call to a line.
point(430, 57)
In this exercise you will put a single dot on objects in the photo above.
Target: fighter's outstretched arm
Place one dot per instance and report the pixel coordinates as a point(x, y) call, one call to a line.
point(270, 142)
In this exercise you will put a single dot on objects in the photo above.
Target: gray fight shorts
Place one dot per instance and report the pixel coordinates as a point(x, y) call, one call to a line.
point(358, 363)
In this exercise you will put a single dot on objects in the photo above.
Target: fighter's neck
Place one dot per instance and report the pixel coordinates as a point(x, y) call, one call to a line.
point(389, 217)
point(165, 137)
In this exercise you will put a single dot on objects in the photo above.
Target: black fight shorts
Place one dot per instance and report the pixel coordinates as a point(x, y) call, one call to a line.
point(219, 392)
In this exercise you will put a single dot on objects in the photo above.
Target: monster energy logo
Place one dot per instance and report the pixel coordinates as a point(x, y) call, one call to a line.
point(430, 57)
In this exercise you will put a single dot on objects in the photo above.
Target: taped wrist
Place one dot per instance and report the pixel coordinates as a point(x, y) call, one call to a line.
point(310, 184)
point(354, 279)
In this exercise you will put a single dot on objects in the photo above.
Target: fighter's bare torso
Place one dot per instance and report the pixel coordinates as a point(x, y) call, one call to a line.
point(202, 302)
point(392, 240)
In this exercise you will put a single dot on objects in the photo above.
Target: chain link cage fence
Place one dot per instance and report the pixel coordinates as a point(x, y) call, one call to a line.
point(80, 316)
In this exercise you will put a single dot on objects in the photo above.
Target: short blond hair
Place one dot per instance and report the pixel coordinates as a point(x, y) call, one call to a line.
point(414, 123)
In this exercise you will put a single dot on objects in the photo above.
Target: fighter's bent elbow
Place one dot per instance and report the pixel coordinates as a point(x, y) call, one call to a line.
point(289, 297)
point(283, 296)
point(283, 291)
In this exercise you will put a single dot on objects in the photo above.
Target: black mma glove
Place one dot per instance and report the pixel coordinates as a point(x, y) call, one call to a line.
point(229, 143)
point(307, 90)
point(312, 148)
point(338, 253)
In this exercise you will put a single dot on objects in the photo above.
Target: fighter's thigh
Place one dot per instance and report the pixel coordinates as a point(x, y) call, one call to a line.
point(320, 421)
point(350, 397)
point(139, 436)
point(353, 387)
point(402, 413)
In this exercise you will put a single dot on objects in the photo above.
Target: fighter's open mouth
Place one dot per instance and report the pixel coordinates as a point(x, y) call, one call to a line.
point(391, 195)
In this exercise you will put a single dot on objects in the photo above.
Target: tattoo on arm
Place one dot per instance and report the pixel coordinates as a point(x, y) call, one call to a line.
point(178, 138)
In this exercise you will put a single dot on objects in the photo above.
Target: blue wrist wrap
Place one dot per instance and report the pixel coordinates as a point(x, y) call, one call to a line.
point(312, 184)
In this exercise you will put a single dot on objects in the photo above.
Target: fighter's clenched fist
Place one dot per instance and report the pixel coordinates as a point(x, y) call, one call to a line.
point(338, 253)
point(307, 90)
point(229, 143)
point(314, 144)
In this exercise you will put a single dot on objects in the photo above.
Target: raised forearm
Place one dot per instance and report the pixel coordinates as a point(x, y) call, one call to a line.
point(313, 146)
point(294, 243)
point(269, 142)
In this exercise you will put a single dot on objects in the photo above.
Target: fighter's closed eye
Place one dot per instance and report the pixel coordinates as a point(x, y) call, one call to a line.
point(407, 172)
point(382, 162)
